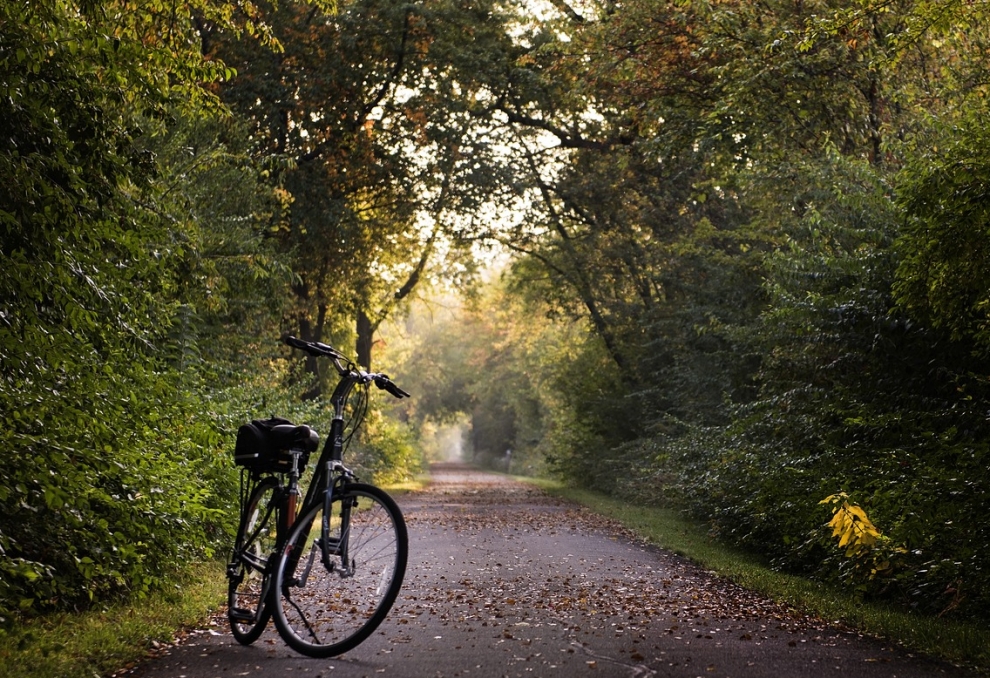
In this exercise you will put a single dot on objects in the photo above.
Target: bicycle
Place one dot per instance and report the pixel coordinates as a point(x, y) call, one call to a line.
point(329, 569)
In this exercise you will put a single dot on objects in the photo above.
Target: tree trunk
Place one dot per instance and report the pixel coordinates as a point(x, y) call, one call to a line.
point(310, 332)
point(365, 339)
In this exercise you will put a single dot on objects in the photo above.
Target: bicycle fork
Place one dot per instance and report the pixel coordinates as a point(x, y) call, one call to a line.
point(337, 546)
point(330, 546)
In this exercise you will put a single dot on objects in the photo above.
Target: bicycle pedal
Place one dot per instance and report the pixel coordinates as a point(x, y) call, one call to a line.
point(241, 615)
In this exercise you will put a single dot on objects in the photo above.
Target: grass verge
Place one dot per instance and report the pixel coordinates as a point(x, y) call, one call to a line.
point(959, 643)
point(99, 642)
point(406, 486)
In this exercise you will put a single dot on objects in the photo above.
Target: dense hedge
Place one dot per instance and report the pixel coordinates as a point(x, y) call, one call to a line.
point(855, 397)
point(112, 474)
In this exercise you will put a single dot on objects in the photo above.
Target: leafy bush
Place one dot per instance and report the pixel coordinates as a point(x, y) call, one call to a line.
point(108, 487)
point(111, 474)
point(856, 399)
point(385, 451)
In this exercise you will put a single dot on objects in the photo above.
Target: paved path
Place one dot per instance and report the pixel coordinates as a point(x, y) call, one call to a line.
point(506, 582)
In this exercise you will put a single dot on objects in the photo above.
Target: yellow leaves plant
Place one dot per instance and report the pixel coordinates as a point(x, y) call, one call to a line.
point(860, 538)
point(855, 531)
point(873, 553)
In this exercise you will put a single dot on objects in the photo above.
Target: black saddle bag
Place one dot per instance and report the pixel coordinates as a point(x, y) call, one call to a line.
point(264, 445)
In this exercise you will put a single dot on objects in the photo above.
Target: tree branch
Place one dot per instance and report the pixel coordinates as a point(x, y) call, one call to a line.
point(365, 110)
point(568, 11)
point(580, 281)
point(567, 139)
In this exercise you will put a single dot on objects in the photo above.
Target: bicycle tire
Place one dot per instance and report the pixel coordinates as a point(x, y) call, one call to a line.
point(328, 611)
point(248, 609)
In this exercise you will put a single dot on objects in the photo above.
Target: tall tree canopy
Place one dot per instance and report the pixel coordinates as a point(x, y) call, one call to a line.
point(364, 118)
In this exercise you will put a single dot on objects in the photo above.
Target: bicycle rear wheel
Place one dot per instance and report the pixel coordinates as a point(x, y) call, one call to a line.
point(247, 606)
point(328, 601)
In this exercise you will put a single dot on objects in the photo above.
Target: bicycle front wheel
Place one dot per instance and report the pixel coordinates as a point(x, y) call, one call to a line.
point(331, 596)
point(247, 590)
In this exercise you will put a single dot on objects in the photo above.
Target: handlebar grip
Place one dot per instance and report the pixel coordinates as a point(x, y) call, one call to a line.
point(396, 391)
point(313, 348)
point(289, 340)
point(383, 382)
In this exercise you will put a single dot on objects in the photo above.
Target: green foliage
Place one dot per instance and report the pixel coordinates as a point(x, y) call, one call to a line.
point(852, 398)
point(587, 409)
point(226, 270)
point(112, 474)
point(944, 274)
point(120, 510)
point(386, 451)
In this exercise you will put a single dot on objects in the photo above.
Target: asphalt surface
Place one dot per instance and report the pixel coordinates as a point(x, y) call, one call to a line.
point(504, 581)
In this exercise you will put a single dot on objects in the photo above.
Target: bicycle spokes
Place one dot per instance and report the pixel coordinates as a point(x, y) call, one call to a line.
point(332, 602)
point(249, 569)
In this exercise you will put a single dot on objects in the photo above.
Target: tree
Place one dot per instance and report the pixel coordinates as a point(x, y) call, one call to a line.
point(363, 116)
point(632, 221)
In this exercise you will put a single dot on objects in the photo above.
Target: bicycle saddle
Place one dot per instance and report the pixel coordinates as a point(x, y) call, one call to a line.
point(288, 436)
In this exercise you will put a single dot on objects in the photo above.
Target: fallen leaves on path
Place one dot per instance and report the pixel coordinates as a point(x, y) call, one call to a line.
point(505, 578)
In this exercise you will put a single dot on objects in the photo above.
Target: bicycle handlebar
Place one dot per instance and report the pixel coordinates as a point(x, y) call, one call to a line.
point(313, 348)
point(317, 349)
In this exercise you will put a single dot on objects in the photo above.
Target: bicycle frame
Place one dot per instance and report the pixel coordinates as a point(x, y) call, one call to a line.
point(329, 473)
point(330, 461)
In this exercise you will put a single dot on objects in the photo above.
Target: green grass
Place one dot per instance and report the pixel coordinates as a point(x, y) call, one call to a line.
point(99, 642)
point(959, 643)
point(406, 486)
